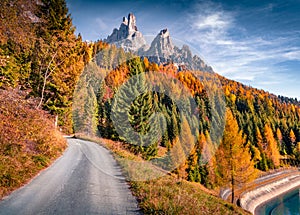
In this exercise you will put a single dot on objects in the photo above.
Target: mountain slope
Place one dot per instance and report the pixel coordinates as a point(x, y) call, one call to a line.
point(270, 124)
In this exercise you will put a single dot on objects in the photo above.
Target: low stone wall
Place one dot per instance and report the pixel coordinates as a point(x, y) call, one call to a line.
point(250, 200)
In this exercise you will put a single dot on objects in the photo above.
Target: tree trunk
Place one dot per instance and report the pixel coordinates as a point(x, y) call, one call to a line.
point(232, 190)
point(56, 121)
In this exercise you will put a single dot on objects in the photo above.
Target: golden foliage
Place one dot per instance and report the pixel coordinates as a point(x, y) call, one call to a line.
point(234, 165)
point(28, 141)
point(272, 149)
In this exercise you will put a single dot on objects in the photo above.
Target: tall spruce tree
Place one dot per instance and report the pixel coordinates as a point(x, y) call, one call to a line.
point(132, 111)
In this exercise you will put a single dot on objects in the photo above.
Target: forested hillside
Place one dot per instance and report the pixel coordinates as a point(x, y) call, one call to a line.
point(265, 127)
point(270, 122)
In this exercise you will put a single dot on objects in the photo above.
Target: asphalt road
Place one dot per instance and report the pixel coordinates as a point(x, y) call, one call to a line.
point(85, 180)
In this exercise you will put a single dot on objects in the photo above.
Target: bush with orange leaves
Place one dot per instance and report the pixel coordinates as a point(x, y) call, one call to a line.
point(28, 140)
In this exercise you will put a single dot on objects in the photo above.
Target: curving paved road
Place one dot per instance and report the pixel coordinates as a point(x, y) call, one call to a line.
point(85, 180)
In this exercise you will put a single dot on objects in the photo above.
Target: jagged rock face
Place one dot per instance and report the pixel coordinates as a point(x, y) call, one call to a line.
point(199, 64)
point(185, 57)
point(131, 24)
point(161, 46)
point(161, 49)
point(127, 36)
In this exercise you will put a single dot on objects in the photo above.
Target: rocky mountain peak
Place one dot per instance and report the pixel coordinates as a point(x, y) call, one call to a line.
point(131, 23)
point(127, 36)
point(161, 49)
point(125, 21)
point(161, 46)
point(164, 33)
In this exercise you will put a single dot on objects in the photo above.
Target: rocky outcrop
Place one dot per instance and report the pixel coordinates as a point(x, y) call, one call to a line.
point(161, 51)
point(184, 56)
point(127, 36)
point(161, 46)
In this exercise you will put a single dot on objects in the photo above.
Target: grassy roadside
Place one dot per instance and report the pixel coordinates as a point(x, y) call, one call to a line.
point(28, 140)
point(166, 194)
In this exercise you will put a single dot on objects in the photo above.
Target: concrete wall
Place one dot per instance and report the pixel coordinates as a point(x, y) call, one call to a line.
point(252, 199)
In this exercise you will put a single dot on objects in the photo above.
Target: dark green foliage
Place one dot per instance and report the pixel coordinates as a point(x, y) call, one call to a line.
point(133, 108)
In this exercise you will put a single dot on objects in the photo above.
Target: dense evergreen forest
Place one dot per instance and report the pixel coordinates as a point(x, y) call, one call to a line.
point(78, 82)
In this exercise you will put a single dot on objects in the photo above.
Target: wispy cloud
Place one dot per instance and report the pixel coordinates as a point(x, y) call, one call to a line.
point(101, 24)
point(292, 54)
point(211, 21)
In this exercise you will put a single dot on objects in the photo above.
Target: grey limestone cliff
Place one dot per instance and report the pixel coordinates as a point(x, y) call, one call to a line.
point(161, 51)
point(127, 36)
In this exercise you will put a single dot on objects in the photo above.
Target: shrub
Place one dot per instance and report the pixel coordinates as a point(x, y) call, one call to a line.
point(28, 140)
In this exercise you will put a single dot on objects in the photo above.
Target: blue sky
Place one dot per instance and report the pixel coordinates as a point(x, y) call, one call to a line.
point(255, 42)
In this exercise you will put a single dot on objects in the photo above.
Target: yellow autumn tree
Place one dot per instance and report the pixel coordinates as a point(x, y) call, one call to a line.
point(272, 150)
point(208, 148)
point(182, 148)
point(279, 135)
point(279, 138)
point(234, 166)
point(292, 137)
point(293, 141)
point(259, 140)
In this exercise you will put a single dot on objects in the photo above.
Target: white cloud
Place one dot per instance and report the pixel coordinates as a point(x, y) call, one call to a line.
point(211, 21)
point(267, 82)
point(292, 55)
point(226, 42)
point(268, 8)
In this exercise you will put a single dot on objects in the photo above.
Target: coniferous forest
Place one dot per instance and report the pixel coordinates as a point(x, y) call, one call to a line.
point(267, 125)
point(227, 126)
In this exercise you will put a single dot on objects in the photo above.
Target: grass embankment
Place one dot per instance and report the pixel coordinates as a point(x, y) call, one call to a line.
point(167, 194)
point(28, 140)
